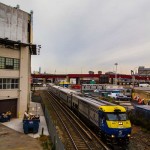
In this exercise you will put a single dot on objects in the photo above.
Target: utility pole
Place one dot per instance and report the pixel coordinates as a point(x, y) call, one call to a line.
point(116, 64)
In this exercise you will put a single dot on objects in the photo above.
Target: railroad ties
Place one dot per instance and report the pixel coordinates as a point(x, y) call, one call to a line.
point(77, 135)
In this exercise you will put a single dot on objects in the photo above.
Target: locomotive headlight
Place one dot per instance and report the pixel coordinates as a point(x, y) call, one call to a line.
point(112, 136)
point(120, 123)
point(128, 135)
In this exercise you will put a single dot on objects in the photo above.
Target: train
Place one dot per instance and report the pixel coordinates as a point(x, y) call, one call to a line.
point(110, 121)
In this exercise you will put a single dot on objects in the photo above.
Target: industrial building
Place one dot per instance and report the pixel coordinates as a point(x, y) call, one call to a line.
point(142, 71)
point(16, 49)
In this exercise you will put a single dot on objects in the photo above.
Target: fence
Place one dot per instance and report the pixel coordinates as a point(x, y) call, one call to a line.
point(52, 129)
point(36, 98)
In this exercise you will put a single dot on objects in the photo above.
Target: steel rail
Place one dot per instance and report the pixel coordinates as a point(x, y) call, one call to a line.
point(65, 127)
point(71, 123)
point(87, 131)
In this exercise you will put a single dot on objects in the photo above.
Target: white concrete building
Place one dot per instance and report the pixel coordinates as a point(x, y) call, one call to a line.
point(16, 49)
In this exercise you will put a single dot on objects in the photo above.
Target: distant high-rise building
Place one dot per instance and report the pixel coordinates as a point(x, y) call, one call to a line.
point(39, 70)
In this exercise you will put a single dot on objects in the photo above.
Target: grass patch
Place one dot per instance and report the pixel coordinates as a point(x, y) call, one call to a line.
point(139, 121)
point(45, 142)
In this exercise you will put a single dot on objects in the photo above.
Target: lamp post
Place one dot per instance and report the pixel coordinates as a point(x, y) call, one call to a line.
point(116, 64)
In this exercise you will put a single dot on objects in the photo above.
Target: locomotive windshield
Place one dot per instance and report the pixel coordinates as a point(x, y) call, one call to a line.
point(116, 116)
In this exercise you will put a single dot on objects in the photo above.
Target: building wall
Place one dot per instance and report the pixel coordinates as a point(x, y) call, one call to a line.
point(13, 23)
point(24, 80)
point(143, 71)
point(15, 33)
point(23, 74)
point(6, 52)
point(9, 73)
point(9, 94)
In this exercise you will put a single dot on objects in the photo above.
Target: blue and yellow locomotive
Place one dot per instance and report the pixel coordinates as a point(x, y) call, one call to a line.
point(114, 124)
point(109, 120)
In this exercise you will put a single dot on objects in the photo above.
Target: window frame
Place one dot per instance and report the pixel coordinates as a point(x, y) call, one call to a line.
point(2, 63)
point(9, 63)
point(9, 83)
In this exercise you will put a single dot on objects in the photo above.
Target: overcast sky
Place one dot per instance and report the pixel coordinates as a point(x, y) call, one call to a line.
point(82, 35)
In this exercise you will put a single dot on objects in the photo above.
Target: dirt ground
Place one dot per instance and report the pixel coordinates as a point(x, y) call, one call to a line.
point(13, 140)
point(140, 139)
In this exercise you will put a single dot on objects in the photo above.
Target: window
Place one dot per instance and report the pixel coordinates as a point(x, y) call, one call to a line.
point(14, 84)
point(9, 63)
point(2, 62)
point(116, 116)
point(8, 83)
point(16, 64)
point(4, 83)
point(0, 83)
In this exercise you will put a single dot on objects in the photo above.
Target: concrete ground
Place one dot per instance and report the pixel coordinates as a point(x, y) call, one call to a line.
point(16, 124)
point(13, 140)
point(12, 136)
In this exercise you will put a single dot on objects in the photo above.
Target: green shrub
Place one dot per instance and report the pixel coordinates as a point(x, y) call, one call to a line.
point(139, 121)
point(45, 142)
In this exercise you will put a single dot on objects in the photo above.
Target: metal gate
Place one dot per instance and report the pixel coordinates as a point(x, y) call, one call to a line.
point(9, 105)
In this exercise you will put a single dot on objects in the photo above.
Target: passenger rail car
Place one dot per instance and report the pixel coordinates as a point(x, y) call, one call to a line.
point(109, 120)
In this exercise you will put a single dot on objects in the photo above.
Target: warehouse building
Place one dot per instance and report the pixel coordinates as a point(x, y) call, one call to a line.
point(16, 49)
point(142, 71)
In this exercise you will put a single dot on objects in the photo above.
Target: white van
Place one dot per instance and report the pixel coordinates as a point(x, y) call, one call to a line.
point(144, 85)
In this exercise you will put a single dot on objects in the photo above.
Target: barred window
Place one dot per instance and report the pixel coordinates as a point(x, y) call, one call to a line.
point(2, 62)
point(8, 83)
point(16, 64)
point(0, 83)
point(4, 84)
point(14, 83)
point(9, 63)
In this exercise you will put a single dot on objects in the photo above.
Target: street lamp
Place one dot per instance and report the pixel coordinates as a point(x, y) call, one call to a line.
point(116, 64)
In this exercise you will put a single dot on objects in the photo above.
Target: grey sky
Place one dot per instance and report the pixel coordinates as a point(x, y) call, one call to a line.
point(82, 35)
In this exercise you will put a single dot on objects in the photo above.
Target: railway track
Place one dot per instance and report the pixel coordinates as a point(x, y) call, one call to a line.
point(76, 134)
